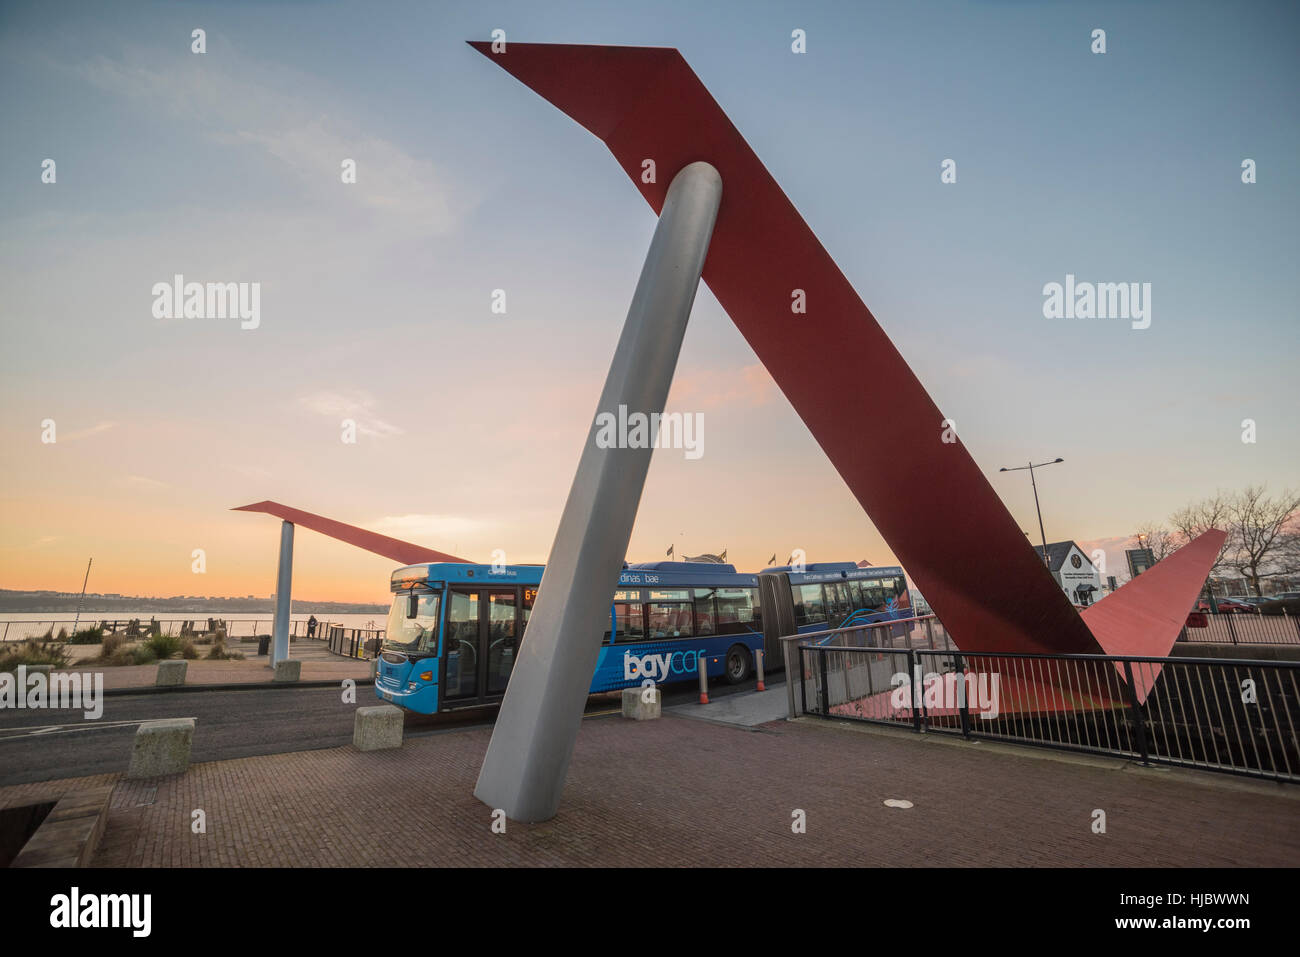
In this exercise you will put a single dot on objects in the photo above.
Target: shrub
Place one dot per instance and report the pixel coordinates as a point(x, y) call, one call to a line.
point(218, 653)
point(34, 651)
point(144, 655)
point(163, 646)
point(63, 633)
point(119, 658)
point(188, 651)
point(112, 644)
point(87, 636)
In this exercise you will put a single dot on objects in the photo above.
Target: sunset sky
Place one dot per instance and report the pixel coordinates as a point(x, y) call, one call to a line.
point(375, 297)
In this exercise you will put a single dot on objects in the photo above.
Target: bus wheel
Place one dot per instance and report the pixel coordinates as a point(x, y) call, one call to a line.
point(738, 664)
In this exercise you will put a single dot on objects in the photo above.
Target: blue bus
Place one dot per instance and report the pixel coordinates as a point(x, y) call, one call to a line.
point(825, 595)
point(454, 629)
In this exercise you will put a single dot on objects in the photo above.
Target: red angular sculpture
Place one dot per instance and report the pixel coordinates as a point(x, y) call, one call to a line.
point(837, 367)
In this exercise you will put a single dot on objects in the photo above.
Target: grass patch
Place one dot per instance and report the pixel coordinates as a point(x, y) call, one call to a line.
point(163, 646)
point(34, 651)
point(143, 655)
point(218, 653)
point(87, 636)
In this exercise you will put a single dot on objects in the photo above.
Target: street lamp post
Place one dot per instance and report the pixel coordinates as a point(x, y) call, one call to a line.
point(1031, 466)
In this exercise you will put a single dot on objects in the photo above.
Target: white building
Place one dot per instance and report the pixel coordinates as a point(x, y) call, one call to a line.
point(1073, 571)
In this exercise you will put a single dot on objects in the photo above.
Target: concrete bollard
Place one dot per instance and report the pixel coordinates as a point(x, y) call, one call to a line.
point(636, 707)
point(287, 671)
point(758, 663)
point(702, 666)
point(171, 673)
point(161, 747)
point(377, 727)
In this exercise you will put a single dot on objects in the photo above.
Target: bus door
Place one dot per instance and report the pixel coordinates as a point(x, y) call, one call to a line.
point(480, 643)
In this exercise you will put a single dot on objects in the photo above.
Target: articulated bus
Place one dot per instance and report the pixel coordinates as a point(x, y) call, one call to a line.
point(454, 630)
point(826, 595)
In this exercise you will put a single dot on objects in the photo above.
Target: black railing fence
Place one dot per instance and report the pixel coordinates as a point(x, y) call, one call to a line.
point(354, 642)
point(1244, 628)
point(1226, 715)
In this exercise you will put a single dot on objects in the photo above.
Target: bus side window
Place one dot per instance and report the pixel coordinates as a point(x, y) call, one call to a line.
point(526, 609)
point(628, 621)
point(706, 617)
point(813, 605)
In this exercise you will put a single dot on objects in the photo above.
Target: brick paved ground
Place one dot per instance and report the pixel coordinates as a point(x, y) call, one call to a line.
point(684, 792)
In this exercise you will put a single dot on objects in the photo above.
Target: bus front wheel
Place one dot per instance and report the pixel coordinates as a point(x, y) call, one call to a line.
point(738, 664)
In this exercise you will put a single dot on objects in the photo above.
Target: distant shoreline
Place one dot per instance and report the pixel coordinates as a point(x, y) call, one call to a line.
point(103, 606)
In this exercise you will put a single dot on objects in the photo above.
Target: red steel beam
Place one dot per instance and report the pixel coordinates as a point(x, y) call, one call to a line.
point(406, 553)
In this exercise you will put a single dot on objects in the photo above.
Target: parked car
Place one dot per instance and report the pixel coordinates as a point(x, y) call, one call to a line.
point(1275, 606)
point(1234, 606)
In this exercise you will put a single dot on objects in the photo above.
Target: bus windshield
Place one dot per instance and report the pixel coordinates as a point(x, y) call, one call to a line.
point(413, 634)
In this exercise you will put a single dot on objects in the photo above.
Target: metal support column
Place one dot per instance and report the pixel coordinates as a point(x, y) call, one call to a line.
point(283, 597)
point(528, 757)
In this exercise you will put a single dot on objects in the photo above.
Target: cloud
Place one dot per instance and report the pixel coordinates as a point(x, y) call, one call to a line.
point(749, 386)
point(356, 404)
point(436, 531)
point(389, 181)
point(84, 433)
point(253, 103)
point(1113, 546)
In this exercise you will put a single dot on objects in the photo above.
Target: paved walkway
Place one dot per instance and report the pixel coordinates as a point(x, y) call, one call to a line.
point(747, 710)
point(690, 793)
point(318, 664)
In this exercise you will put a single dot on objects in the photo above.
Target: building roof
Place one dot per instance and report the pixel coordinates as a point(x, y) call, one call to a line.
point(1056, 553)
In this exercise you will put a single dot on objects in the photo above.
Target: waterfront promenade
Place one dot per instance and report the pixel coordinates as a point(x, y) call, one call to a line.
point(686, 792)
point(318, 664)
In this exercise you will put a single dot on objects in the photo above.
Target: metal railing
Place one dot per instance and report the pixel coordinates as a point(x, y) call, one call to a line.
point(142, 627)
point(921, 631)
point(1224, 715)
point(354, 642)
point(1245, 628)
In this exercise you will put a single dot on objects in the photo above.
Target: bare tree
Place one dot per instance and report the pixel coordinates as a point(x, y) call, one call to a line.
point(1197, 518)
point(1159, 539)
point(1257, 526)
point(1288, 549)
